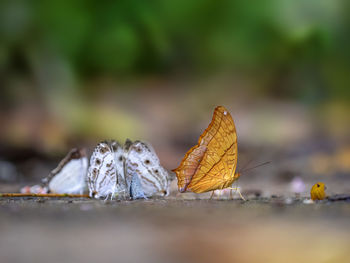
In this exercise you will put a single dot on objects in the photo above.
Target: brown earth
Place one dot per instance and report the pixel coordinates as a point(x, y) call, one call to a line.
point(174, 230)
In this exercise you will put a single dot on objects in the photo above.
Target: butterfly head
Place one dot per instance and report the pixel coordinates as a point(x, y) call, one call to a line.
point(128, 143)
point(115, 146)
point(76, 153)
point(118, 152)
point(237, 175)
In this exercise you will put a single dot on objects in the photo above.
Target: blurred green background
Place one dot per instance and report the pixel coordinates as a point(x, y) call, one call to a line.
point(300, 44)
point(73, 73)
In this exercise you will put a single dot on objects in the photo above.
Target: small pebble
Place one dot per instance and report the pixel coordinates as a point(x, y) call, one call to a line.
point(308, 201)
point(288, 201)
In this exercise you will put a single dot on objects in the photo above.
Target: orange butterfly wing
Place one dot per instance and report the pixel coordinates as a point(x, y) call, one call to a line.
point(211, 164)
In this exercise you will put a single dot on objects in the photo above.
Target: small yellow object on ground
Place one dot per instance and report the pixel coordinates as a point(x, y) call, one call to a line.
point(318, 191)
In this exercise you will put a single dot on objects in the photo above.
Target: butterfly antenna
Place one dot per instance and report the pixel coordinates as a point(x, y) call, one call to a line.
point(247, 164)
point(251, 168)
point(252, 158)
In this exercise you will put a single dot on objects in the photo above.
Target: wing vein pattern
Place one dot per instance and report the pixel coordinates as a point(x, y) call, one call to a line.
point(211, 163)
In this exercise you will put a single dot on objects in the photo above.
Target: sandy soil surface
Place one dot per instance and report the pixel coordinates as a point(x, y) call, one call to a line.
point(171, 230)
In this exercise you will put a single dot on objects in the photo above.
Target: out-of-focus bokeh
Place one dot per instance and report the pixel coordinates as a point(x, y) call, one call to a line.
point(73, 73)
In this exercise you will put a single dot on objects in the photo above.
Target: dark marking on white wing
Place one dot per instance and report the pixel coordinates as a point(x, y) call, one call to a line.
point(102, 173)
point(142, 160)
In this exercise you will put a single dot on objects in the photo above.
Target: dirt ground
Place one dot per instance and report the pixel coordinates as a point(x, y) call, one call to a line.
point(174, 230)
point(272, 226)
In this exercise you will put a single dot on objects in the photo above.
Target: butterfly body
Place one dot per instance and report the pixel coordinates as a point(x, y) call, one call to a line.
point(119, 159)
point(211, 164)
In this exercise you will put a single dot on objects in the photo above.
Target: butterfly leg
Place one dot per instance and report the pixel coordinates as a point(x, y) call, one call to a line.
point(238, 191)
point(113, 193)
point(212, 194)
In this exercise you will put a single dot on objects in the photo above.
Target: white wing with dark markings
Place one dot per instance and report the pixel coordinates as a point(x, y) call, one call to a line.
point(142, 161)
point(102, 174)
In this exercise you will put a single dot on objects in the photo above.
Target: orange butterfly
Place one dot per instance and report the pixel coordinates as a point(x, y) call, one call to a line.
point(211, 164)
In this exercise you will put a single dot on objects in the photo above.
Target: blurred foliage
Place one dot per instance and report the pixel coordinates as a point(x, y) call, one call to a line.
point(296, 49)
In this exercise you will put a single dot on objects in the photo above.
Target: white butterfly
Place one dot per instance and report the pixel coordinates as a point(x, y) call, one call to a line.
point(145, 177)
point(69, 177)
point(102, 174)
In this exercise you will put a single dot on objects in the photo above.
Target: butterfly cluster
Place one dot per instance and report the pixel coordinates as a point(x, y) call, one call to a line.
point(130, 171)
point(134, 170)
